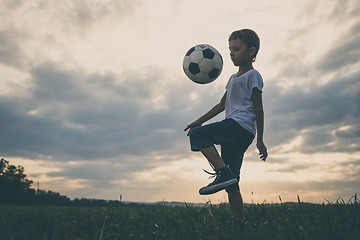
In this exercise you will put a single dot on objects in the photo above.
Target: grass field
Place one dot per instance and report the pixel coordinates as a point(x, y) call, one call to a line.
point(265, 221)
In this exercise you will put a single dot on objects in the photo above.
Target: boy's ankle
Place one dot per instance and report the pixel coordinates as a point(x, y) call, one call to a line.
point(221, 168)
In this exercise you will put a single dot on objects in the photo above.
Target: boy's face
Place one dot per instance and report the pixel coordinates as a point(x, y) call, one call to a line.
point(240, 53)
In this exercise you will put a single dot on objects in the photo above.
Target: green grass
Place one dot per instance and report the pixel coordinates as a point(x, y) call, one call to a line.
point(275, 222)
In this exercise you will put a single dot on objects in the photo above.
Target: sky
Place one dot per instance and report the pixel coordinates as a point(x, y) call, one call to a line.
point(93, 98)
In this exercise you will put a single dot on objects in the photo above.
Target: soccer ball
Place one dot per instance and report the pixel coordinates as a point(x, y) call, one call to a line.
point(202, 64)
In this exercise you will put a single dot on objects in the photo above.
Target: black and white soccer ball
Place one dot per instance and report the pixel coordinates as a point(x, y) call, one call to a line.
point(202, 64)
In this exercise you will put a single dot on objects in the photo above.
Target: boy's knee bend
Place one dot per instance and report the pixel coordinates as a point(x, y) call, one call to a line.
point(199, 139)
point(195, 139)
point(191, 133)
point(194, 133)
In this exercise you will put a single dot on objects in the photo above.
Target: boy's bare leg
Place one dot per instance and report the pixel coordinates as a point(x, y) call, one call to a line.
point(213, 157)
point(236, 205)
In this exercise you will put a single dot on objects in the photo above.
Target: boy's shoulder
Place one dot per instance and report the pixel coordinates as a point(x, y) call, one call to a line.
point(254, 72)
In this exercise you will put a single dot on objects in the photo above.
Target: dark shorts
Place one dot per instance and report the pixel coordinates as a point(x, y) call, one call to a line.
point(233, 139)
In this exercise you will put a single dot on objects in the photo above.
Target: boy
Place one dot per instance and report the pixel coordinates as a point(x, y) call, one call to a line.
point(244, 118)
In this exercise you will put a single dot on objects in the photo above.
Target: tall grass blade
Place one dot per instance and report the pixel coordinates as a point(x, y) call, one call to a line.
point(102, 230)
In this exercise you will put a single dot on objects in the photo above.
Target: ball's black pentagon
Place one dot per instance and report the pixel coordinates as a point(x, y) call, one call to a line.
point(214, 73)
point(194, 68)
point(190, 51)
point(208, 53)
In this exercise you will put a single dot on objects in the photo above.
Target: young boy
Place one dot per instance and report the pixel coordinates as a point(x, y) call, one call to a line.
point(244, 118)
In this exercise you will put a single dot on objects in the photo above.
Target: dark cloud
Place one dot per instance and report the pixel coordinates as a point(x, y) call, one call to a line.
point(315, 106)
point(67, 114)
point(316, 114)
point(344, 52)
point(52, 83)
point(348, 133)
point(11, 48)
point(100, 121)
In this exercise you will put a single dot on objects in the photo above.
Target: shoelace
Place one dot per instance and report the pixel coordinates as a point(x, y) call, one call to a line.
point(212, 174)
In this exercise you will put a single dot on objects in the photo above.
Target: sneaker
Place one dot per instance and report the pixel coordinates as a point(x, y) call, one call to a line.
point(224, 178)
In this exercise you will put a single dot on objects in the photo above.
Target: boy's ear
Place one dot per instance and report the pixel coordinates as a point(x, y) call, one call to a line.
point(252, 50)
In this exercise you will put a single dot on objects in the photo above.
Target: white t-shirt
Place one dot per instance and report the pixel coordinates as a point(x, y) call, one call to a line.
point(239, 105)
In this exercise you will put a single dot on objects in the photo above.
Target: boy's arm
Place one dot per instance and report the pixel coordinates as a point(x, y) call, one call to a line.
point(218, 108)
point(259, 115)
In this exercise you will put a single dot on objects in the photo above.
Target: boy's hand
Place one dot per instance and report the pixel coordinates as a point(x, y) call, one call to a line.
point(262, 150)
point(191, 126)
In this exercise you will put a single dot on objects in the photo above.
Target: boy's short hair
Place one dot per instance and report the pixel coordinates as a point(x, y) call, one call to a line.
point(249, 37)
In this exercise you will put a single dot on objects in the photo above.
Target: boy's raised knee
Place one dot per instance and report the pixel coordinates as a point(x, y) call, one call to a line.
point(194, 132)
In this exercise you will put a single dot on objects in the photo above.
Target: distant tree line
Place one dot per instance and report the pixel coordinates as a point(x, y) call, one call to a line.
point(15, 188)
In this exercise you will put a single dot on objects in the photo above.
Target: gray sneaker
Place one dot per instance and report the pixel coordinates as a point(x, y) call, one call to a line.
point(224, 178)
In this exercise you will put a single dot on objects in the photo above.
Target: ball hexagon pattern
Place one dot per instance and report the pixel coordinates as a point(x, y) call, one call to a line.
point(202, 64)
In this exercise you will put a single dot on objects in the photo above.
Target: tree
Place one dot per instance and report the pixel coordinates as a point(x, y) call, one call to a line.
point(14, 187)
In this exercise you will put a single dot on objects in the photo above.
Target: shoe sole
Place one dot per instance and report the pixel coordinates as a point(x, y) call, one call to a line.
point(218, 187)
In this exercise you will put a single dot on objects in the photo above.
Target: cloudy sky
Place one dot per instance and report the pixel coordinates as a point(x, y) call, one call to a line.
point(93, 99)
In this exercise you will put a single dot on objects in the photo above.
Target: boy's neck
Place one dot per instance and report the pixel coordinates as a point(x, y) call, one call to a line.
point(244, 68)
